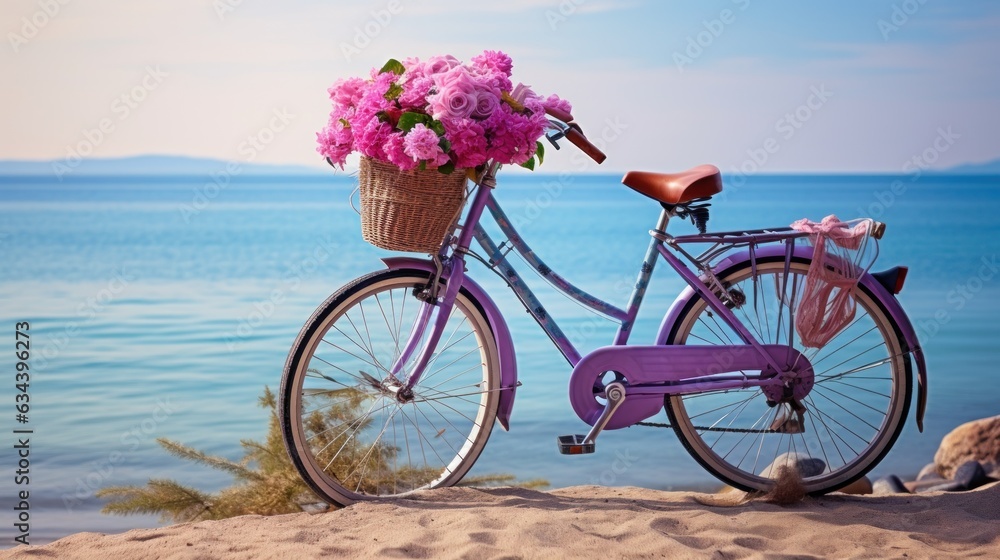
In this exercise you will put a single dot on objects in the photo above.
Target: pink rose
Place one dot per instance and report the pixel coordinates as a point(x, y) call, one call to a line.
point(438, 64)
point(456, 95)
point(486, 102)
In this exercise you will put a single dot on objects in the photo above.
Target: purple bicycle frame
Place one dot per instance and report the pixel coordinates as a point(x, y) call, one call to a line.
point(648, 400)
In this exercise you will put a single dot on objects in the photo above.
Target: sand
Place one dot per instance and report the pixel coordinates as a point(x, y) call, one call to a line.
point(583, 521)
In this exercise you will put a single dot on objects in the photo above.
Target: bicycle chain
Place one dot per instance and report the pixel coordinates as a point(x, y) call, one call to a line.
point(710, 428)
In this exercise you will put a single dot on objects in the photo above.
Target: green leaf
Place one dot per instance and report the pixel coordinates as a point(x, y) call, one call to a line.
point(447, 168)
point(540, 152)
point(382, 116)
point(530, 164)
point(410, 119)
point(422, 166)
point(437, 127)
point(444, 144)
point(345, 123)
point(394, 66)
point(395, 90)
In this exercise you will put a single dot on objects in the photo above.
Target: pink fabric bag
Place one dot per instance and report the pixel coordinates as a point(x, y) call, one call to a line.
point(827, 305)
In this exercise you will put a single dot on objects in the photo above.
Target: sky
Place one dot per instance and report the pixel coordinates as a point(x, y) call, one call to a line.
point(776, 86)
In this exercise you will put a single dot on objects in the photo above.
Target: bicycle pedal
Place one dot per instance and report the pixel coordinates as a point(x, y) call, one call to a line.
point(575, 445)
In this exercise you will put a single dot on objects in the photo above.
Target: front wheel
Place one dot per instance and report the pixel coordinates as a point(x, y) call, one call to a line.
point(853, 413)
point(347, 432)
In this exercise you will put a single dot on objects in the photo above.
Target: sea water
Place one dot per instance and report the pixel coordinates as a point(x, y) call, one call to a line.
point(160, 307)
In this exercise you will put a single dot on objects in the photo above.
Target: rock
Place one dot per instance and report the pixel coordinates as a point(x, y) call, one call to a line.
point(807, 466)
point(889, 485)
point(978, 440)
point(946, 486)
point(916, 486)
point(929, 472)
point(859, 487)
point(970, 474)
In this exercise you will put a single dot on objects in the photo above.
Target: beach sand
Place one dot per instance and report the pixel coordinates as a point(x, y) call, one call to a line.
point(583, 521)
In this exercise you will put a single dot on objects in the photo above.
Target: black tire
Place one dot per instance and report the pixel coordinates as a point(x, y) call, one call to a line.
point(334, 394)
point(847, 425)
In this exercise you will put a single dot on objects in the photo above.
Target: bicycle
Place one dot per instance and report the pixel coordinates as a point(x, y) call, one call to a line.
point(395, 382)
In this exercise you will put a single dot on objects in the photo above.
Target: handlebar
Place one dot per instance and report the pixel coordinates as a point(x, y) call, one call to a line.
point(575, 135)
point(572, 132)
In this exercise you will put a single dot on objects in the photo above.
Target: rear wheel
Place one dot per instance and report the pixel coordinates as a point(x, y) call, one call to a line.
point(854, 411)
point(347, 432)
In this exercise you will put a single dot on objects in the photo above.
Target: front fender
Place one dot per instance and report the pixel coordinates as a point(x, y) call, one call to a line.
point(501, 333)
point(741, 258)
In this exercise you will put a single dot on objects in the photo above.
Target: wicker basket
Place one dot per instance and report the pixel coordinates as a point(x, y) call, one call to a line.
point(408, 210)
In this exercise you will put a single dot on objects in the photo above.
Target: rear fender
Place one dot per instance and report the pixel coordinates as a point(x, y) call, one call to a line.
point(501, 334)
point(740, 258)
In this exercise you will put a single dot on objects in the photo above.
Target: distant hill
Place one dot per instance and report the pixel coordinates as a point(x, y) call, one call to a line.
point(148, 165)
point(984, 168)
point(161, 165)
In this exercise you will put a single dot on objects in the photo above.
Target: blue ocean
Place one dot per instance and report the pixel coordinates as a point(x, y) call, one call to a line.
point(162, 307)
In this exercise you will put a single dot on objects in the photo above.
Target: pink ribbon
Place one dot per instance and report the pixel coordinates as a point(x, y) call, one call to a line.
point(821, 314)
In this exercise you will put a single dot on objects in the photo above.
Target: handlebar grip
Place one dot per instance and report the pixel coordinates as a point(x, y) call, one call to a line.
point(575, 135)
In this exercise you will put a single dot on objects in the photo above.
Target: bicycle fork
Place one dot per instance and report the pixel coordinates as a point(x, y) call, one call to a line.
point(435, 311)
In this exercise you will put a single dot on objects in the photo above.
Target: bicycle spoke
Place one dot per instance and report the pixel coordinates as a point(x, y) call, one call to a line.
point(854, 370)
point(847, 408)
point(875, 347)
point(369, 350)
point(863, 389)
point(354, 434)
point(389, 327)
point(852, 399)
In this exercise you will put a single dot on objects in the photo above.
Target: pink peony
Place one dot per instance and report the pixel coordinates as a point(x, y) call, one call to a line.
point(468, 141)
point(422, 143)
point(347, 93)
point(511, 136)
point(395, 152)
point(492, 68)
point(555, 102)
point(415, 92)
point(493, 62)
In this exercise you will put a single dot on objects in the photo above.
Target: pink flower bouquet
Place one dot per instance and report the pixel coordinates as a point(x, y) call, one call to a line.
point(437, 114)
